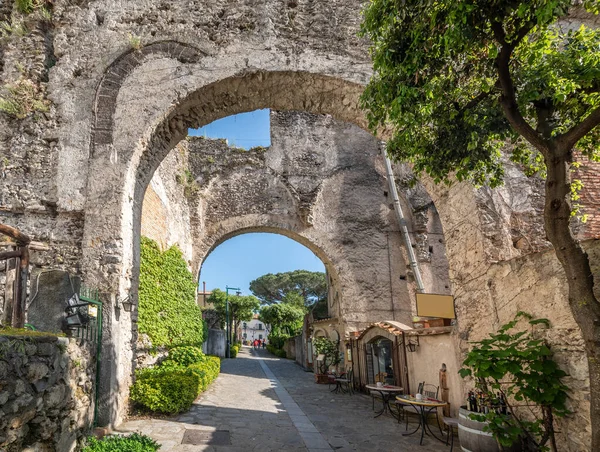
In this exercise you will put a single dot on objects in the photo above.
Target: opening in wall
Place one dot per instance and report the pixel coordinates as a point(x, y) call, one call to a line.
point(244, 130)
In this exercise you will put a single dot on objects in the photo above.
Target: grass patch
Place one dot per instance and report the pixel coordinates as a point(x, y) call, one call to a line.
point(8, 331)
point(22, 98)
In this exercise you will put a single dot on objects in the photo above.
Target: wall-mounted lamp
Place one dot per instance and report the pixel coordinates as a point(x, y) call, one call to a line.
point(126, 303)
point(74, 320)
point(412, 345)
point(349, 351)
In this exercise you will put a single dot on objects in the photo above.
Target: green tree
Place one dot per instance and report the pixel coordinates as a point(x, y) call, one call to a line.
point(241, 307)
point(458, 81)
point(274, 288)
point(284, 318)
point(168, 312)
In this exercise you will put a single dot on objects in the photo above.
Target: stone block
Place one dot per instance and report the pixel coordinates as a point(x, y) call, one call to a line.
point(37, 371)
point(54, 397)
point(46, 349)
point(47, 309)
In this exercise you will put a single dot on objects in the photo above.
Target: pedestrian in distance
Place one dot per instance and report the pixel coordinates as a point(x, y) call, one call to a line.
point(263, 344)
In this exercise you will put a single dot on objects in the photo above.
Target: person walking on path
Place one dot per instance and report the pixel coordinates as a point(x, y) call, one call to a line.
point(263, 344)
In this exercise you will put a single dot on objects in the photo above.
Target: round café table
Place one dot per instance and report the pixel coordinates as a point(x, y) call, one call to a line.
point(422, 408)
point(387, 392)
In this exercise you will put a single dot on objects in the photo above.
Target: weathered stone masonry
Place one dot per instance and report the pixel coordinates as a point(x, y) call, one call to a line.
point(75, 176)
point(46, 393)
point(322, 183)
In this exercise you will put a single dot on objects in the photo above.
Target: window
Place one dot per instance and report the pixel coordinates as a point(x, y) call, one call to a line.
point(245, 325)
point(260, 326)
point(260, 336)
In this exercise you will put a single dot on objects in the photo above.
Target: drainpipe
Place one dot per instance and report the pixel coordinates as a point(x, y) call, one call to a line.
point(402, 221)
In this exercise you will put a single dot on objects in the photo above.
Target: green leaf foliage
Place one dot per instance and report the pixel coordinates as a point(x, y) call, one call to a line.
point(168, 312)
point(329, 348)
point(276, 351)
point(284, 318)
point(173, 385)
point(436, 85)
point(206, 372)
point(184, 356)
point(167, 392)
point(292, 287)
point(241, 307)
point(118, 443)
point(518, 364)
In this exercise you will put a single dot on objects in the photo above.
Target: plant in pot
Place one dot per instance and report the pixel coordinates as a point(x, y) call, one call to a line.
point(519, 384)
point(331, 357)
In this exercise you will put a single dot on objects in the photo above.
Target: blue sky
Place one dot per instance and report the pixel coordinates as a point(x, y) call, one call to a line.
point(245, 257)
point(245, 130)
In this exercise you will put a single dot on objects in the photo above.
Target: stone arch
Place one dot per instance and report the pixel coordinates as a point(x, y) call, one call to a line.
point(264, 225)
point(105, 102)
point(123, 163)
point(151, 115)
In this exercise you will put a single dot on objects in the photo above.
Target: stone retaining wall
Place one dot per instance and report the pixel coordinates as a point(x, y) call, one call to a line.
point(46, 393)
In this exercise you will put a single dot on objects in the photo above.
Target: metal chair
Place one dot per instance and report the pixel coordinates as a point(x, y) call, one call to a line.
point(432, 392)
point(450, 423)
point(345, 383)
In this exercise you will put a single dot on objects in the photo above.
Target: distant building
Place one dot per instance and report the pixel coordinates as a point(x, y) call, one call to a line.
point(254, 329)
point(203, 296)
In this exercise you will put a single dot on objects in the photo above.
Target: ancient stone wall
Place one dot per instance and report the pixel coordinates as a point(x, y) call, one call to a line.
point(321, 182)
point(165, 210)
point(46, 393)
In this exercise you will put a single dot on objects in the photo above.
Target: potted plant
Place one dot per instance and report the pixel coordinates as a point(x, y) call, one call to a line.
point(328, 349)
point(514, 371)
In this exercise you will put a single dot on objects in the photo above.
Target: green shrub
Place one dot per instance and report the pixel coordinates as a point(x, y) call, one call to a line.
point(172, 388)
point(206, 371)
point(165, 392)
point(184, 356)
point(168, 312)
point(117, 443)
point(277, 351)
point(234, 350)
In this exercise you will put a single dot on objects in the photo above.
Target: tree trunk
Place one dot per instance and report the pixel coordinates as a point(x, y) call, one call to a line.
point(574, 260)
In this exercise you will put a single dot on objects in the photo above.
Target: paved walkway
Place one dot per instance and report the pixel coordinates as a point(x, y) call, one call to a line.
point(263, 403)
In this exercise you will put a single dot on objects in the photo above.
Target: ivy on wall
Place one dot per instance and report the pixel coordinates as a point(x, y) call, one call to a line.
point(168, 312)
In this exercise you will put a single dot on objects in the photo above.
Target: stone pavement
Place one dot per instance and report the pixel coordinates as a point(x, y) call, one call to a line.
point(263, 403)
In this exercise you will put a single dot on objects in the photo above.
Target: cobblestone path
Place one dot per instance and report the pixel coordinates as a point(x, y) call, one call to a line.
point(263, 403)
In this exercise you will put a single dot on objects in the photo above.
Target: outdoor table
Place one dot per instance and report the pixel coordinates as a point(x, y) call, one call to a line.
point(422, 408)
point(387, 392)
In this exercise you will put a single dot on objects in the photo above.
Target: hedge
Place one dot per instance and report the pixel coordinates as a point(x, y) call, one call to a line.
point(234, 350)
point(116, 443)
point(277, 351)
point(184, 356)
point(173, 385)
point(167, 392)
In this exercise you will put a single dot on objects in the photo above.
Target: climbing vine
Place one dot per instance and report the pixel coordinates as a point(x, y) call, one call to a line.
point(168, 312)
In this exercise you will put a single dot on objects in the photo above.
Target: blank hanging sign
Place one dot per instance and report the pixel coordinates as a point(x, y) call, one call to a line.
point(435, 305)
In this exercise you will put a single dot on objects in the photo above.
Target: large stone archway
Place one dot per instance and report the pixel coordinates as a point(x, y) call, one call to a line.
point(78, 172)
point(123, 165)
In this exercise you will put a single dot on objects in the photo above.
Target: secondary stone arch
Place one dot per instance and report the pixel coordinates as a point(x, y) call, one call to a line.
point(230, 230)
